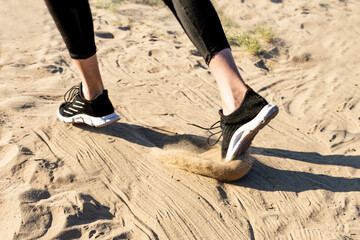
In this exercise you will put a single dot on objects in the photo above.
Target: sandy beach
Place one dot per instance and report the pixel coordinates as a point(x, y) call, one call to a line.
point(152, 175)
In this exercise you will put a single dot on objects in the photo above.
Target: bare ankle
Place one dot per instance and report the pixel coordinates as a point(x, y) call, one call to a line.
point(91, 93)
point(234, 102)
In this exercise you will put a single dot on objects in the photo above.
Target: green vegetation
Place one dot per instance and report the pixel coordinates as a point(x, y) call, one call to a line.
point(111, 4)
point(107, 4)
point(246, 40)
point(252, 41)
point(265, 33)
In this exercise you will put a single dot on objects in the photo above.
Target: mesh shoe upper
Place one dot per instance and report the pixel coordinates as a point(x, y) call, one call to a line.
point(248, 110)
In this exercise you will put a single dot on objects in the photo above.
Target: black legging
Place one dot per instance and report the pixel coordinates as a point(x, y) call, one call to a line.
point(197, 17)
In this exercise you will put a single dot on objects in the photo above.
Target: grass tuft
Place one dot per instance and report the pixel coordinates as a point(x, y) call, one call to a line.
point(107, 4)
point(111, 4)
point(265, 33)
point(253, 41)
point(247, 41)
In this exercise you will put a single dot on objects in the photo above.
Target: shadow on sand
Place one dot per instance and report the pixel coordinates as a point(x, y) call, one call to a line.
point(261, 176)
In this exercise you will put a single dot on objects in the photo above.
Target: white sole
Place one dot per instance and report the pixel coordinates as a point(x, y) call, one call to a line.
point(89, 120)
point(242, 137)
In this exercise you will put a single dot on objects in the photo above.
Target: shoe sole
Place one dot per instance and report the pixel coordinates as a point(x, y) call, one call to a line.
point(242, 138)
point(89, 120)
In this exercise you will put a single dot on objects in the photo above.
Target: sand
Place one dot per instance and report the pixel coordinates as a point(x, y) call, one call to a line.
point(142, 177)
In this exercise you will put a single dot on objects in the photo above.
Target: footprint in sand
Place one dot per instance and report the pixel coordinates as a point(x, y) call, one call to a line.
point(125, 235)
point(54, 69)
point(60, 216)
point(35, 218)
point(106, 35)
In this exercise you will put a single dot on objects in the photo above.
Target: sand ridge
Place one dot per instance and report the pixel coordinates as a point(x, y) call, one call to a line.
point(127, 180)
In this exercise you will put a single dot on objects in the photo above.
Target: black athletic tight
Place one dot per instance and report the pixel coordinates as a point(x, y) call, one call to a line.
point(197, 17)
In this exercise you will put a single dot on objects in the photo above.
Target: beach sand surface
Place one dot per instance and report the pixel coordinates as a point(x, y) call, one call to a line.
point(151, 175)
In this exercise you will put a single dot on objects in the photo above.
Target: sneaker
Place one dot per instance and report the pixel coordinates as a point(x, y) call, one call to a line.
point(240, 127)
point(98, 112)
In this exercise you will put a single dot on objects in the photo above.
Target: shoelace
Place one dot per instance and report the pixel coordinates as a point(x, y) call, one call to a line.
point(70, 95)
point(209, 131)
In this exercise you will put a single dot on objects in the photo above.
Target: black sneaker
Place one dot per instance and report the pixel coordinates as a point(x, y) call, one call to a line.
point(98, 112)
point(240, 127)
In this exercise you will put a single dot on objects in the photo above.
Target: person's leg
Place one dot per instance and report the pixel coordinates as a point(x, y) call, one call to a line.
point(244, 112)
point(88, 103)
point(231, 86)
point(202, 24)
point(74, 21)
point(92, 85)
